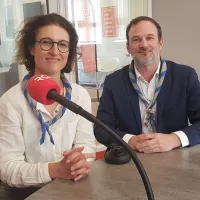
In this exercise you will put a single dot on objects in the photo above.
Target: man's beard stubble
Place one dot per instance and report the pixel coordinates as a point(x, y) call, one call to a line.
point(143, 63)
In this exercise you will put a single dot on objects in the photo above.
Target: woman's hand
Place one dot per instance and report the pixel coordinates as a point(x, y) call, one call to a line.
point(72, 166)
point(79, 171)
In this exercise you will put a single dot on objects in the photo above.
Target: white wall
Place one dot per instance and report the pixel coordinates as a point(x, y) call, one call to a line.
point(179, 20)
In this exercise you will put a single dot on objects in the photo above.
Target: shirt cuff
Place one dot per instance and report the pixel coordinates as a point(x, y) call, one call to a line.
point(183, 138)
point(44, 171)
point(88, 150)
point(127, 137)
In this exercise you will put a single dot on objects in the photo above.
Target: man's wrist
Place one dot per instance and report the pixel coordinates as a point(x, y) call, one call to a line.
point(127, 137)
point(176, 141)
point(183, 138)
point(132, 142)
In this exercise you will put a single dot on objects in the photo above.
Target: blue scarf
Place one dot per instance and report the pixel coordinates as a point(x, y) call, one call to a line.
point(45, 125)
point(150, 107)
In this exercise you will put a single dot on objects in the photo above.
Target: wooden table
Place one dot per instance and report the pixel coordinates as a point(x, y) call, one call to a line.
point(174, 175)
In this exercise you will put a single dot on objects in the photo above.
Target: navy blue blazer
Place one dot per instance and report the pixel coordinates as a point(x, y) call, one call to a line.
point(177, 101)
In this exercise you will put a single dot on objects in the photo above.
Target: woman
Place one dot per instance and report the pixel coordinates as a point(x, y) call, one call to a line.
point(46, 142)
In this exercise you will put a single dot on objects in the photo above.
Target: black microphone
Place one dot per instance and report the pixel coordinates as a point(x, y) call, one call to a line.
point(45, 90)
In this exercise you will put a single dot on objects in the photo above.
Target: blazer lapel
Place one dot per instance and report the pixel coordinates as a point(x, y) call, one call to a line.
point(132, 97)
point(164, 94)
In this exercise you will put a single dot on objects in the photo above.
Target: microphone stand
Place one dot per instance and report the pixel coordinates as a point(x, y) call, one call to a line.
point(53, 95)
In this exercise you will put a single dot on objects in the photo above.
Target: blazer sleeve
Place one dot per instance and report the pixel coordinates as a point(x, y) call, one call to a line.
point(193, 109)
point(107, 114)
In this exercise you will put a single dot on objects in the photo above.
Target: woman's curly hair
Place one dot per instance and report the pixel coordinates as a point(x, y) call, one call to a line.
point(26, 37)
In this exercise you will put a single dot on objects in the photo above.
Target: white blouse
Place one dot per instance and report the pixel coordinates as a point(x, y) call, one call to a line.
point(23, 161)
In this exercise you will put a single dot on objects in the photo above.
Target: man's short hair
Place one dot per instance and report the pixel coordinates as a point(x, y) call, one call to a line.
point(143, 18)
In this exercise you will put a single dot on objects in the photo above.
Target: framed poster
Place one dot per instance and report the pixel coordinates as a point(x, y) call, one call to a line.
point(109, 16)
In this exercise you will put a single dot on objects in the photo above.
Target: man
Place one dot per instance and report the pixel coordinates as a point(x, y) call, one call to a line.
point(149, 102)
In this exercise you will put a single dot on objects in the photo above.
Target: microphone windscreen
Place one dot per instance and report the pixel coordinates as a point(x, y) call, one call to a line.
point(38, 87)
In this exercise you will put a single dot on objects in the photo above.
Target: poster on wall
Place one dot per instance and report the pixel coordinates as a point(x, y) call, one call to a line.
point(109, 21)
point(88, 57)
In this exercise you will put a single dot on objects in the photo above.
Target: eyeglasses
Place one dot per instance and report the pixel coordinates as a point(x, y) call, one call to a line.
point(46, 44)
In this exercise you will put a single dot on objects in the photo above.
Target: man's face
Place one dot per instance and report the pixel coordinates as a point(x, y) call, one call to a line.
point(143, 43)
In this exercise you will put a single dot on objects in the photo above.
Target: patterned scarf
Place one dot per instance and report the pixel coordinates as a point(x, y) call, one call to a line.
point(45, 125)
point(150, 107)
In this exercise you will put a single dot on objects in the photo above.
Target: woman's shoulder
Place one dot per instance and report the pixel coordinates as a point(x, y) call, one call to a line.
point(14, 95)
point(78, 89)
point(79, 94)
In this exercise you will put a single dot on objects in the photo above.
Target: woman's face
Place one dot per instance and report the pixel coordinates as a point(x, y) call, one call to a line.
point(50, 57)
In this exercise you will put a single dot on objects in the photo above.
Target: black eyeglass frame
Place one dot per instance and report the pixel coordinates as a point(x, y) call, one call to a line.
point(52, 44)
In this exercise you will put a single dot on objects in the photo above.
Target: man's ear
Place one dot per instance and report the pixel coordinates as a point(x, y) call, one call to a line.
point(161, 43)
point(127, 47)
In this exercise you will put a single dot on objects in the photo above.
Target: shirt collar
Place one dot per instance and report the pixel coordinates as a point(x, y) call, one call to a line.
point(41, 107)
point(139, 76)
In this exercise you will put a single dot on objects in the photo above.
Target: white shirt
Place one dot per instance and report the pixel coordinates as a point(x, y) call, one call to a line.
point(148, 92)
point(23, 161)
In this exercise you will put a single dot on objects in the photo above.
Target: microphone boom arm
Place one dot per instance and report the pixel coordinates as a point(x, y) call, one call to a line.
point(53, 95)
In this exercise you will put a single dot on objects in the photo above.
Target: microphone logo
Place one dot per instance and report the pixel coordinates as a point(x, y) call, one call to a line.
point(41, 78)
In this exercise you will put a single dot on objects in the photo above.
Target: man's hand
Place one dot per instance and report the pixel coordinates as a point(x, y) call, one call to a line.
point(72, 166)
point(154, 142)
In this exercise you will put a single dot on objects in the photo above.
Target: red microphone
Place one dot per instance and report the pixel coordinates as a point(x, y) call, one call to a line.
point(39, 86)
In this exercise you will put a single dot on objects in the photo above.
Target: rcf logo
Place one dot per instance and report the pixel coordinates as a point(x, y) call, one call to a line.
point(41, 78)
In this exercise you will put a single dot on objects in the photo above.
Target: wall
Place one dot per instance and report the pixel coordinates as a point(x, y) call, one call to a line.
point(43, 2)
point(7, 45)
point(16, 17)
point(22, 68)
point(179, 20)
